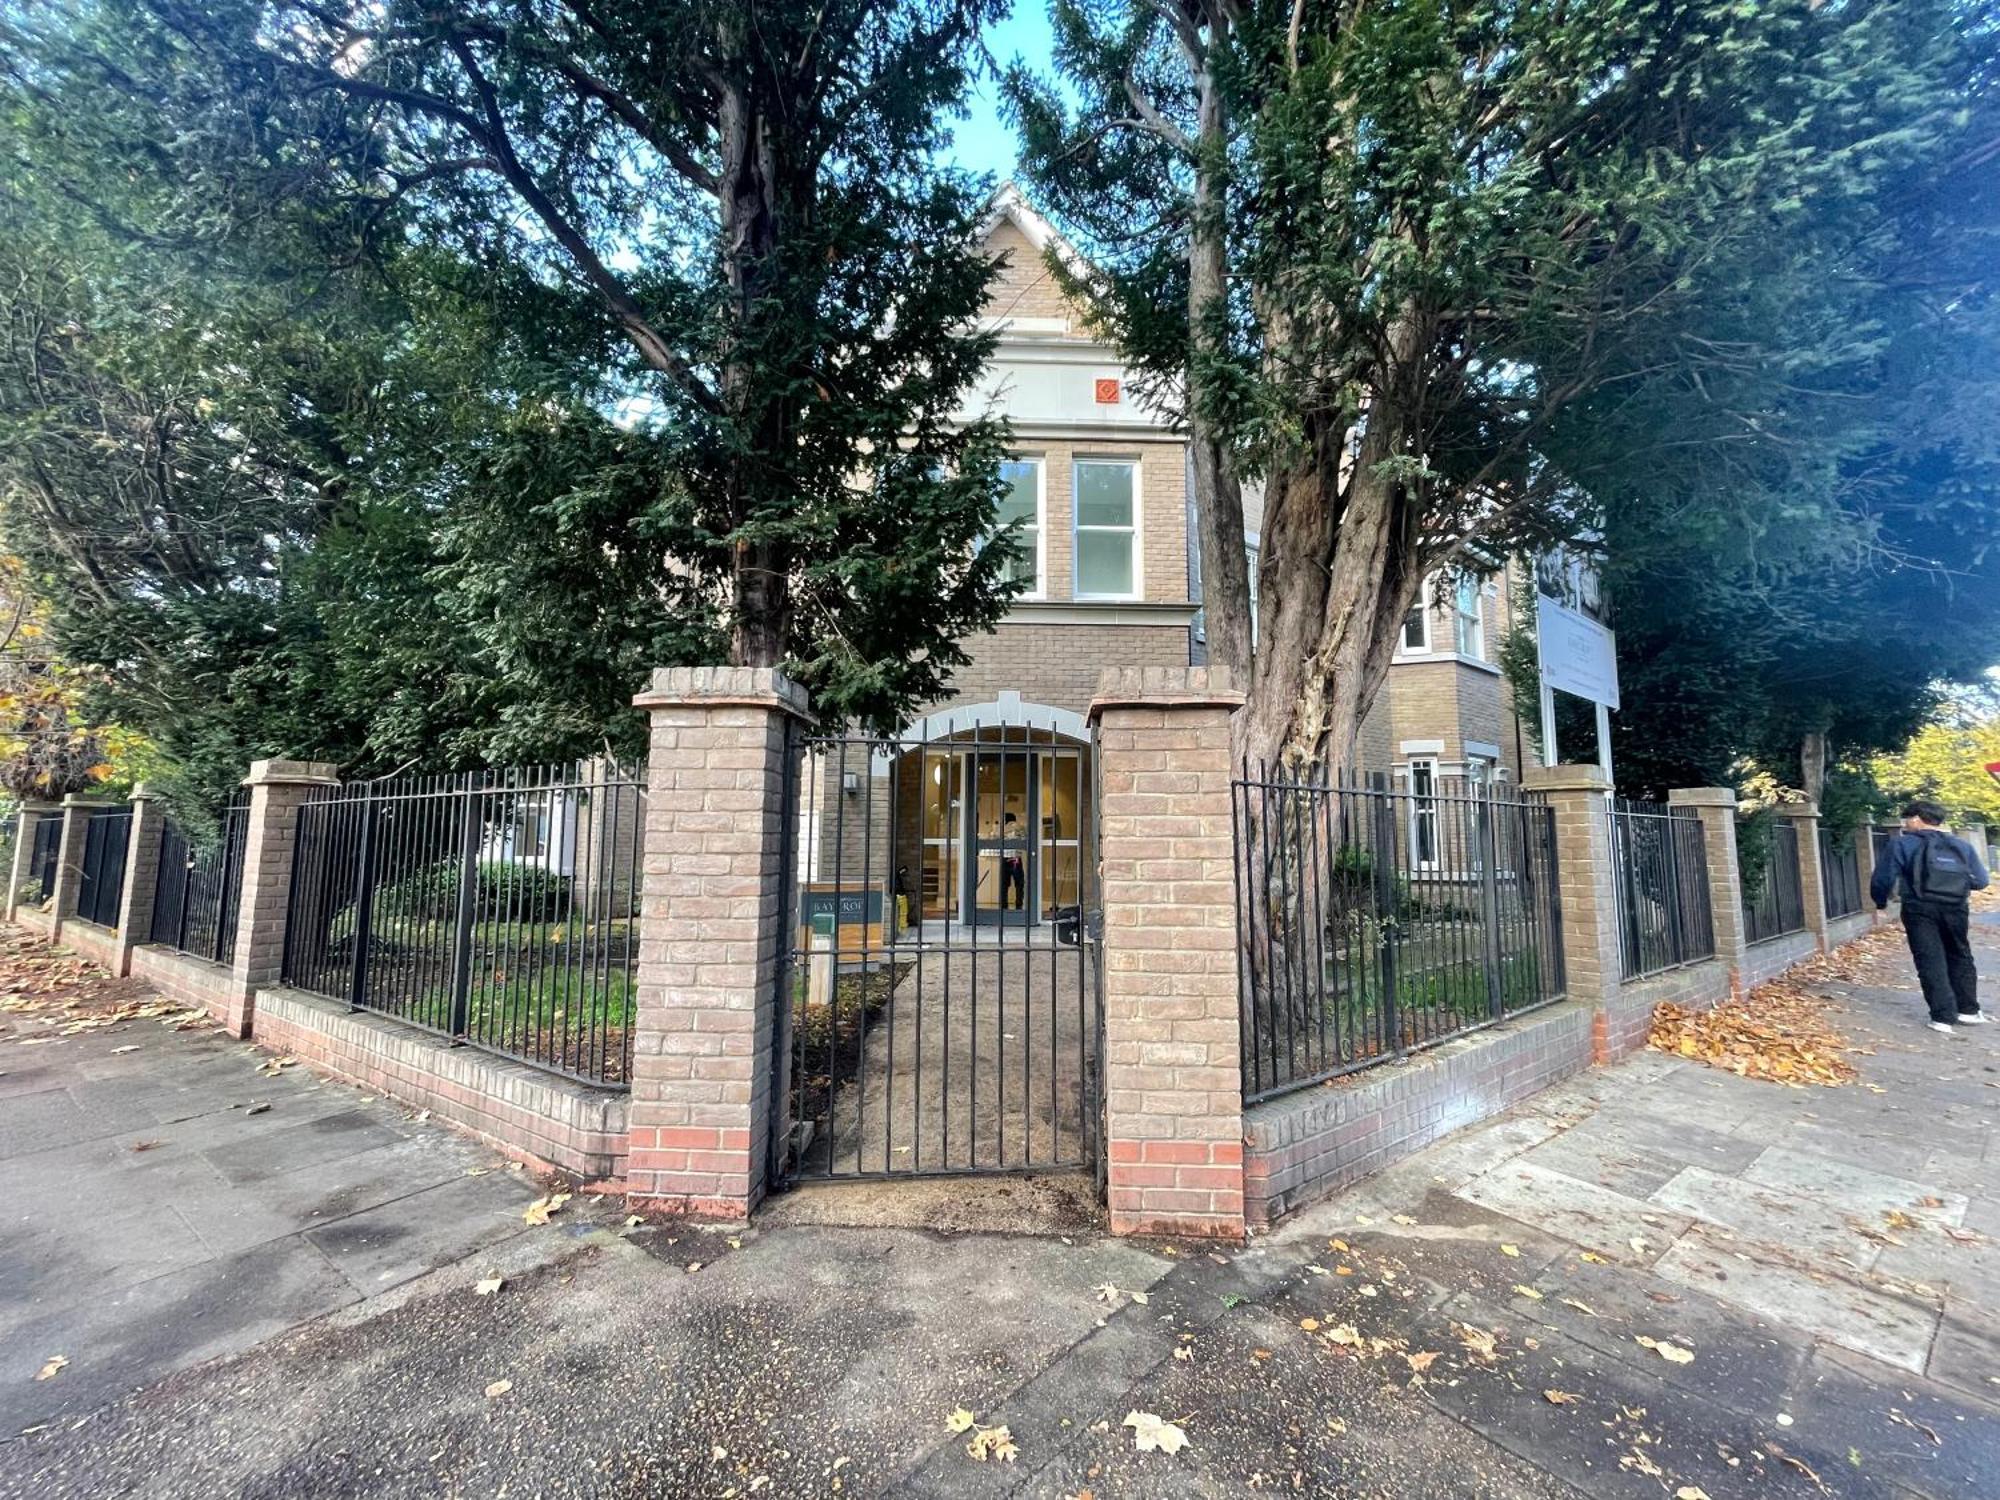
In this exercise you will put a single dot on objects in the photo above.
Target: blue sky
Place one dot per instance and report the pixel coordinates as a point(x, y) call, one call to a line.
point(982, 142)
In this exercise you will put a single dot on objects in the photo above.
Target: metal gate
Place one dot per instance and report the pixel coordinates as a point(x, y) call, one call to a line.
point(939, 986)
point(103, 878)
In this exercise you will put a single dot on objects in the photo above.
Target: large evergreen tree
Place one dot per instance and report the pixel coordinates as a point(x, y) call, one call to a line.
point(1495, 270)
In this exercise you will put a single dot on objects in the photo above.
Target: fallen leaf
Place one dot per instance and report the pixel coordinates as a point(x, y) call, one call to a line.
point(1184, 1351)
point(1310, 1325)
point(633, 1221)
point(499, 1388)
point(1527, 1291)
point(1150, 1434)
point(129, 1047)
point(1421, 1362)
point(1401, 1219)
point(487, 1286)
point(538, 1212)
point(960, 1420)
point(146, 1145)
point(1690, 1492)
point(1560, 1398)
point(1638, 1244)
point(1582, 1307)
point(257, 1109)
point(1344, 1334)
point(1511, 1250)
point(53, 1368)
point(1138, 1297)
point(1477, 1341)
point(1593, 1257)
point(1672, 1353)
point(993, 1442)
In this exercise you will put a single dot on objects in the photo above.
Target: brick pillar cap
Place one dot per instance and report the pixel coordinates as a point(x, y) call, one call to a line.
point(1702, 796)
point(142, 791)
point(723, 687)
point(292, 773)
point(39, 804)
point(1586, 777)
point(1798, 809)
point(1165, 687)
point(84, 799)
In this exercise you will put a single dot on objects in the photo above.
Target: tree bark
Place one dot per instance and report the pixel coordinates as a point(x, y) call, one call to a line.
point(749, 218)
point(1225, 569)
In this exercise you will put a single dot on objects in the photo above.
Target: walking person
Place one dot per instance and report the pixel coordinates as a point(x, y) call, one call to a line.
point(1935, 873)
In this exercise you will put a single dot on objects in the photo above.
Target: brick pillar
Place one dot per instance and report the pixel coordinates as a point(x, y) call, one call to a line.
point(76, 815)
point(1593, 967)
point(277, 789)
point(1812, 878)
point(1716, 806)
point(30, 817)
point(712, 903)
point(1864, 858)
point(142, 875)
point(1173, 1118)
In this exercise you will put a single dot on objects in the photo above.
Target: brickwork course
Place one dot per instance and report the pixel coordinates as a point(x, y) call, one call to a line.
point(712, 901)
point(1172, 1045)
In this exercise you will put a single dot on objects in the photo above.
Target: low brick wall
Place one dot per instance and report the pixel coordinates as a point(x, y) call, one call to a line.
point(1770, 958)
point(529, 1114)
point(34, 919)
point(192, 981)
point(89, 941)
point(1846, 929)
point(1314, 1142)
point(1622, 1024)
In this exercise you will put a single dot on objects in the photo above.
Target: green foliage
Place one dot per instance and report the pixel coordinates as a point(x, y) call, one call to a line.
point(501, 891)
point(1947, 762)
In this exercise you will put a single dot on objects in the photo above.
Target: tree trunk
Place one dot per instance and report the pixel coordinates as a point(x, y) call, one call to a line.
point(1225, 570)
point(1812, 764)
point(760, 567)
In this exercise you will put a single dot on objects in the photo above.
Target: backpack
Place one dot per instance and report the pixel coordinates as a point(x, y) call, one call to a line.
point(1940, 871)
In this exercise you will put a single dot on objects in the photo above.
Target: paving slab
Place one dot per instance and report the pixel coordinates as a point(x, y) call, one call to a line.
point(1581, 1212)
point(1828, 1307)
point(1858, 1190)
point(1803, 1226)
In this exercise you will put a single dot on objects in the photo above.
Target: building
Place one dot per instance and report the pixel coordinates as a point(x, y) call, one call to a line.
point(986, 806)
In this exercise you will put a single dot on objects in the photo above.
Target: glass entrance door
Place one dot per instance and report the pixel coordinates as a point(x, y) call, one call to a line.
point(1002, 877)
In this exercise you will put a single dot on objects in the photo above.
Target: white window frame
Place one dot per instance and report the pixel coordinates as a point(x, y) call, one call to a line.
point(1421, 815)
point(1477, 618)
point(1423, 608)
point(1040, 465)
point(1136, 531)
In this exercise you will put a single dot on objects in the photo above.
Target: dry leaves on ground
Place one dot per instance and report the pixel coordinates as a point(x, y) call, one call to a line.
point(993, 1442)
point(1780, 1034)
point(538, 1212)
point(1673, 1354)
point(53, 1368)
point(1150, 1434)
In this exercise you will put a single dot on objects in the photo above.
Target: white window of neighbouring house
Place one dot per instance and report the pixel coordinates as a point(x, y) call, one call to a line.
point(1417, 624)
point(1022, 501)
point(1423, 812)
point(1107, 529)
point(1469, 620)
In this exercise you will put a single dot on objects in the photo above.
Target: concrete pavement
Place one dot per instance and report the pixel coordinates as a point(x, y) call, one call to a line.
point(282, 1303)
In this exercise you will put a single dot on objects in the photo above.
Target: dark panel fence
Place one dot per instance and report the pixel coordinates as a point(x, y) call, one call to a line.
point(1660, 868)
point(1374, 922)
point(195, 901)
point(1840, 873)
point(1777, 905)
point(42, 857)
point(499, 908)
point(104, 839)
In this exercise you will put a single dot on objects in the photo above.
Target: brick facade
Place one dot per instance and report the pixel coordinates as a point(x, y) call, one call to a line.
point(1172, 1070)
point(277, 790)
point(712, 903)
point(1716, 807)
point(142, 876)
point(30, 816)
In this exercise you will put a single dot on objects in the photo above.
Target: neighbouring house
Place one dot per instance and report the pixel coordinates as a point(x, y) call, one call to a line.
point(984, 809)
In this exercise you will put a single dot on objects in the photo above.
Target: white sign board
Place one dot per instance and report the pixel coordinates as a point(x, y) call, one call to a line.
point(1579, 653)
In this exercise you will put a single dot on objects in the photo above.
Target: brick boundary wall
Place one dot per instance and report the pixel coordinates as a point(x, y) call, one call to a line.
point(1770, 958)
point(521, 1111)
point(1312, 1143)
point(1173, 1077)
point(1627, 1015)
point(34, 919)
point(99, 945)
point(185, 978)
point(1846, 929)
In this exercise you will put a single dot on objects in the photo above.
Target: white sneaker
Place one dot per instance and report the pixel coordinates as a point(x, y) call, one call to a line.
point(1976, 1018)
point(1945, 1026)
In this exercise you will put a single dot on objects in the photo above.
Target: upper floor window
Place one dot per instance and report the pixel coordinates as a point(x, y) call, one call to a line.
point(1021, 502)
point(1107, 528)
point(1469, 619)
point(1417, 623)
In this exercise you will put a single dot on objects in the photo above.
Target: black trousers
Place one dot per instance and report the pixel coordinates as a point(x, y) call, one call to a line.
point(1943, 952)
point(1013, 878)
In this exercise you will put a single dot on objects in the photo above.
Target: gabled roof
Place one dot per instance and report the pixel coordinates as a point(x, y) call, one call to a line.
point(1010, 205)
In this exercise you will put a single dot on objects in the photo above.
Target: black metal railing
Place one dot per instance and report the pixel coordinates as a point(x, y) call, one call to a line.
point(499, 908)
point(1840, 873)
point(102, 880)
point(1374, 922)
point(1776, 905)
point(43, 855)
point(1659, 864)
point(200, 881)
point(939, 990)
